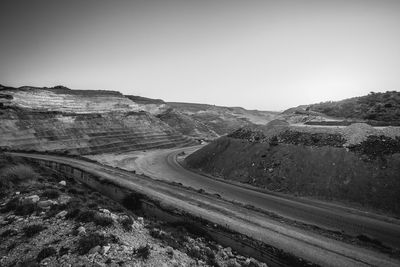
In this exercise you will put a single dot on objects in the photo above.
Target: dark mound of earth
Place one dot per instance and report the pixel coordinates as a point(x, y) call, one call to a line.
point(308, 165)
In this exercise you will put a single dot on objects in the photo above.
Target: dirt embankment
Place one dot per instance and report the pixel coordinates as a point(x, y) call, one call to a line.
point(309, 165)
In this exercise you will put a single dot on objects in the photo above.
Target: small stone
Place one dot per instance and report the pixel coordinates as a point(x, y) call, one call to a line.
point(113, 216)
point(46, 203)
point(170, 251)
point(99, 264)
point(63, 183)
point(17, 193)
point(105, 249)
point(233, 263)
point(63, 199)
point(81, 230)
point(94, 250)
point(106, 211)
point(61, 214)
point(228, 251)
point(31, 199)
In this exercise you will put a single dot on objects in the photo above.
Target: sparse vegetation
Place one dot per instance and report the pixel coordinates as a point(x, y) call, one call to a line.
point(89, 241)
point(33, 230)
point(8, 233)
point(51, 193)
point(374, 106)
point(102, 220)
point(126, 223)
point(86, 215)
point(378, 146)
point(142, 252)
point(11, 205)
point(133, 201)
point(45, 253)
point(16, 174)
point(24, 209)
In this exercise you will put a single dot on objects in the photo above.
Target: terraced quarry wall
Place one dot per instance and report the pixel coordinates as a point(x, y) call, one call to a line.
point(80, 122)
point(326, 172)
point(222, 120)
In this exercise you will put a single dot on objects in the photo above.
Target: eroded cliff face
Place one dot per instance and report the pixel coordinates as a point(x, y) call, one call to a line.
point(347, 174)
point(81, 122)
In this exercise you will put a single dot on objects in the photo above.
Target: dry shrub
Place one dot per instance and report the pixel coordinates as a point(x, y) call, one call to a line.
point(33, 229)
point(142, 252)
point(51, 193)
point(16, 174)
point(89, 241)
point(45, 253)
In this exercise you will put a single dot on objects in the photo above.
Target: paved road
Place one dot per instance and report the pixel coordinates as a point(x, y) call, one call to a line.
point(304, 244)
point(164, 165)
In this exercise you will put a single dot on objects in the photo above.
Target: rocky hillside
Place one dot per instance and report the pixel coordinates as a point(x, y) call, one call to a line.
point(193, 121)
point(187, 125)
point(356, 164)
point(81, 121)
point(50, 220)
point(379, 109)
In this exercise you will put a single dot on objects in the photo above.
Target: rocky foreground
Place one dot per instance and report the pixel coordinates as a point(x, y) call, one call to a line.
point(50, 220)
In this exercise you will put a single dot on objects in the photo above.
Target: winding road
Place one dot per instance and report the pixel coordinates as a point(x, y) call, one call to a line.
point(163, 165)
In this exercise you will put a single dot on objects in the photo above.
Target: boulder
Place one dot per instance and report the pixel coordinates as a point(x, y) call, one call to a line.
point(233, 263)
point(63, 183)
point(31, 199)
point(44, 204)
point(115, 217)
point(94, 250)
point(61, 214)
point(105, 211)
point(63, 199)
point(81, 230)
point(105, 249)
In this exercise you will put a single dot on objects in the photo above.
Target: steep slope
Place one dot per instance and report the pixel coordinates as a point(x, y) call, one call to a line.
point(354, 164)
point(80, 121)
point(223, 120)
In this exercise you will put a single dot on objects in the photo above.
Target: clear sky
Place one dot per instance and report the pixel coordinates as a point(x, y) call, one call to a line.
point(268, 55)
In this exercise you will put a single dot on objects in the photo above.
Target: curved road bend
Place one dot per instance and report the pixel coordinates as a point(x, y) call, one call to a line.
point(163, 165)
point(304, 244)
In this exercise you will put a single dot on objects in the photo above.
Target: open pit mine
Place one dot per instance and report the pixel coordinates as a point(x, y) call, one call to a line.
point(104, 179)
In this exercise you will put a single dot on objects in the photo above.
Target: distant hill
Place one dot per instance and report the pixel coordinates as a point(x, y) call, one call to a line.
point(223, 120)
point(383, 107)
